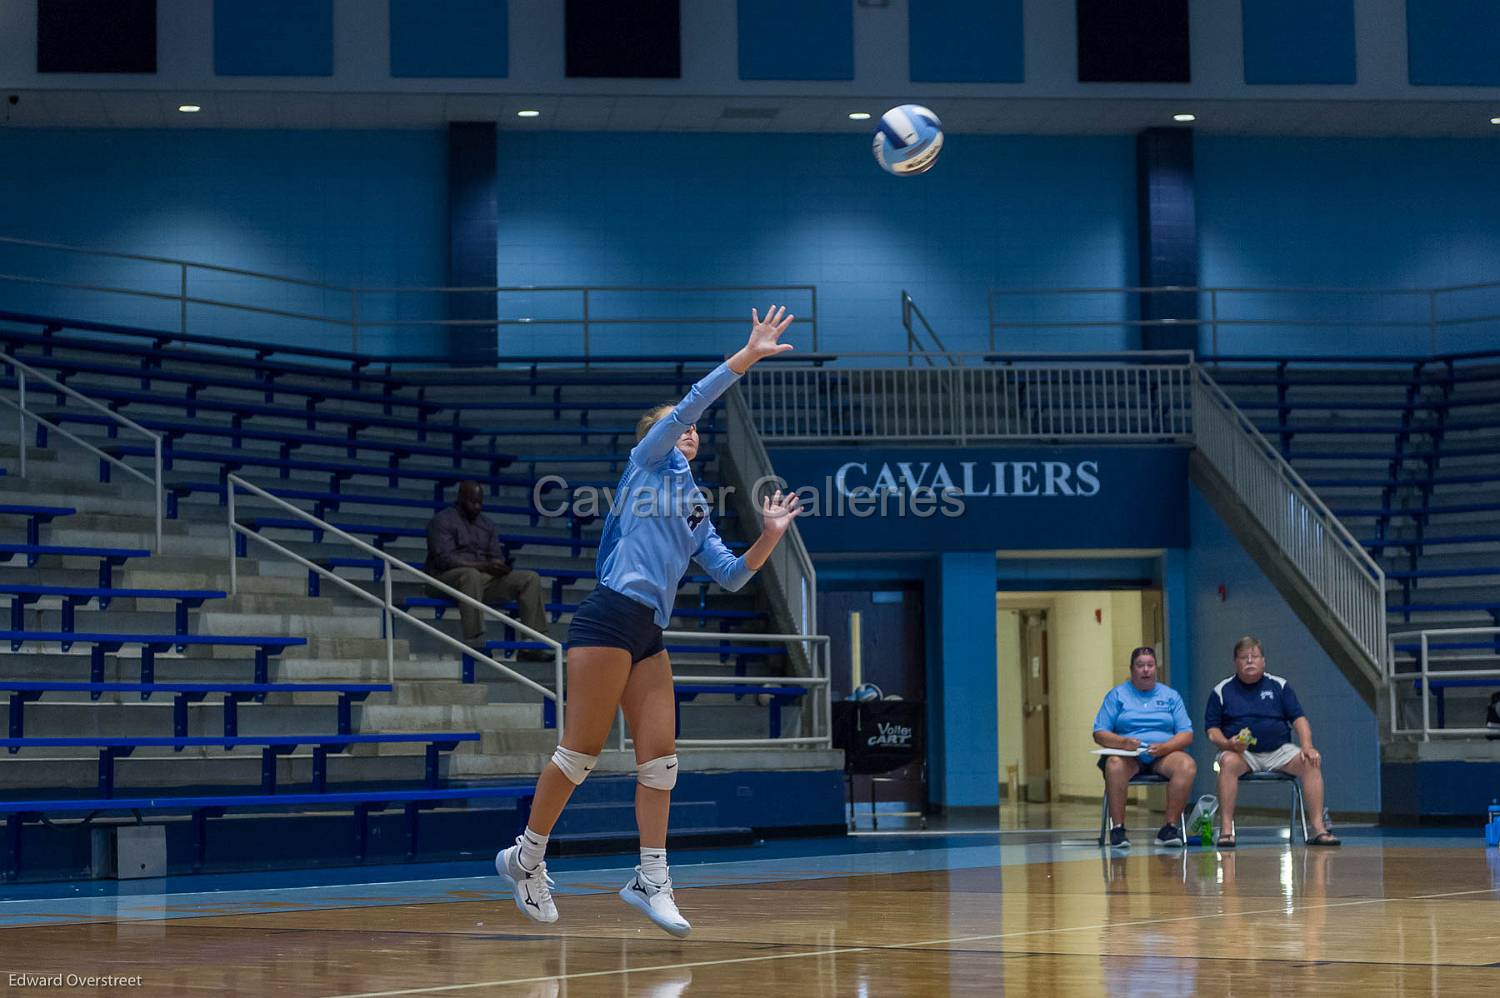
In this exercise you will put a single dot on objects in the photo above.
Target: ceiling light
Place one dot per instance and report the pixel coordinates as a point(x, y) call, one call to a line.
point(189, 108)
point(1495, 121)
point(528, 114)
point(859, 115)
point(1184, 117)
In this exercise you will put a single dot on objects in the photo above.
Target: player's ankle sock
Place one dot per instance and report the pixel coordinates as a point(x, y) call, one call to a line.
point(533, 848)
point(654, 865)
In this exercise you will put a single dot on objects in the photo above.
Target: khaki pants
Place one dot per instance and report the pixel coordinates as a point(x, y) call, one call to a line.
point(518, 584)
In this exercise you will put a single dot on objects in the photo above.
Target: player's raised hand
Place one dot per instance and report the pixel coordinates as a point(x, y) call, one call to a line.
point(778, 511)
point(765, 334)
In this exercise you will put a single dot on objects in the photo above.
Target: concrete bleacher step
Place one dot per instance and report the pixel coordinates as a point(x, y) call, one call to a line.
point(322, 626)
point(126, 715)
point(487, 717)
point(204, 768)
point(334, 668)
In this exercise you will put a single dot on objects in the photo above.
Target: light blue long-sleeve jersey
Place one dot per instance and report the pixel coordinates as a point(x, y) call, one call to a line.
point(659, 521)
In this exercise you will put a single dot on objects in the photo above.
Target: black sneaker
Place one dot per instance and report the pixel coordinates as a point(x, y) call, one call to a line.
point(1118, 839)
point(1170, 835)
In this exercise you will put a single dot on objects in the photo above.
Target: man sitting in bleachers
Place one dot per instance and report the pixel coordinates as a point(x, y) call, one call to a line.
point(1250, 719)
point(464, 552)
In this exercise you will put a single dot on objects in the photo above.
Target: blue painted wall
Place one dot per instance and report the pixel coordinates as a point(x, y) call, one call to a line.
point(1374, 213)
point(1344, 729)
point(967, 41)
point(450, 38)
point(273, 37)
point(1453, 42)
point(1299, 41)
point(796, 39)
point(342, 208)
point(774, 209)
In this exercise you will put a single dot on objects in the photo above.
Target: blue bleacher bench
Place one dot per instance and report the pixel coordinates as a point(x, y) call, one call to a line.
point(109, 558)
point(383, 533)
point(36, 517)
point(203, 807)
point(151, 644)
point(24, 692)
point(442, 604)
point(1439, 685)
point(288, 441)
point(195, 383)
point(271, 746)
point(24, 594)
point(782, 693)
point(232, 460)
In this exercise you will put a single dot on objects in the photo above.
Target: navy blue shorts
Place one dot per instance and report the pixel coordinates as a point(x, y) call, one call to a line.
point(607, 619)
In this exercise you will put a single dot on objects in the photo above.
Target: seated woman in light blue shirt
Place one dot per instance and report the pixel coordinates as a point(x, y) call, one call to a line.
point(657, 524)
point(1149, 719)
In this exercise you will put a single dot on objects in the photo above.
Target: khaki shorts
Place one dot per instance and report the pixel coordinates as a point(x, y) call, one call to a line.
point(1261, 762)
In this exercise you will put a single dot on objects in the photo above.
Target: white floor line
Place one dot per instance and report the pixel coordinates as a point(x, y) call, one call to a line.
point(1279, 909)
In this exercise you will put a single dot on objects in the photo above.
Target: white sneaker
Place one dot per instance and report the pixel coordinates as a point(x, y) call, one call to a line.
point(532, 888)
point(656, 903)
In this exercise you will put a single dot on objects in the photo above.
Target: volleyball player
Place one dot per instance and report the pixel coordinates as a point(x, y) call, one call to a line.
point(658, 522)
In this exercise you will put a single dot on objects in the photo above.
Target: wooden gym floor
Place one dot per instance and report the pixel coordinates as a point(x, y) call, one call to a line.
point(1026, 911)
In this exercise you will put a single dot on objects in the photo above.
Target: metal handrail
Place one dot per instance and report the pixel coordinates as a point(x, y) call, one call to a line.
point(822, 734)
point(388, 606)
point(1363, 619)
point(1424, 674)
point(908, 309)
point(358, 318)
point(23, 412)
point(1431, 321)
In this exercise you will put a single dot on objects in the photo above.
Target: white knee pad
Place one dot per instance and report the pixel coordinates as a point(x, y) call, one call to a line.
point(574, 765)
point(658, 774)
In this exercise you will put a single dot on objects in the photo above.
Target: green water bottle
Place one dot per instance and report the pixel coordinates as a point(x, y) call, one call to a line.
point(1205, 831)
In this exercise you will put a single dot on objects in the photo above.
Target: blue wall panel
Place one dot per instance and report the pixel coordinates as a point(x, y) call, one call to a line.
point(1299, 41)
point(273, 37)
point(966, 750)
point(775, 209)
point(1344, 728)
point(966, 41)
point(449, 38)
point(1453, 42)
point(858, 499)
point(1376, 213)
point(796, 39)
point(341, 207)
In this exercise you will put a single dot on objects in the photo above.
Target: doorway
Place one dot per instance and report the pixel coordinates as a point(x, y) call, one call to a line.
point(877, 636)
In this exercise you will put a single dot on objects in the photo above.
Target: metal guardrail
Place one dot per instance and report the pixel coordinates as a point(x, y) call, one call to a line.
point(589, 310)
point(822, 706)
point(1350, 582)
point(1093, 396)
point(1228, 311)
point(387, 604)
point(1425, 674)
point(914, 346)
point(24, 412)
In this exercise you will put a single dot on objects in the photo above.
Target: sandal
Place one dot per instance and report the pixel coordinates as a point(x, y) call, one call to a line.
point(1225, 842)
point(1326, 839)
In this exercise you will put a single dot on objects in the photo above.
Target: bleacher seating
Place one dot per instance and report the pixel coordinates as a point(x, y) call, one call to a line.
point(1403, 451)
point(340, 438)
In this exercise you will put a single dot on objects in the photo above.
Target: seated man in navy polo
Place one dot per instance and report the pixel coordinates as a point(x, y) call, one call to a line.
point(1149, 719)
point(1250, 719)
